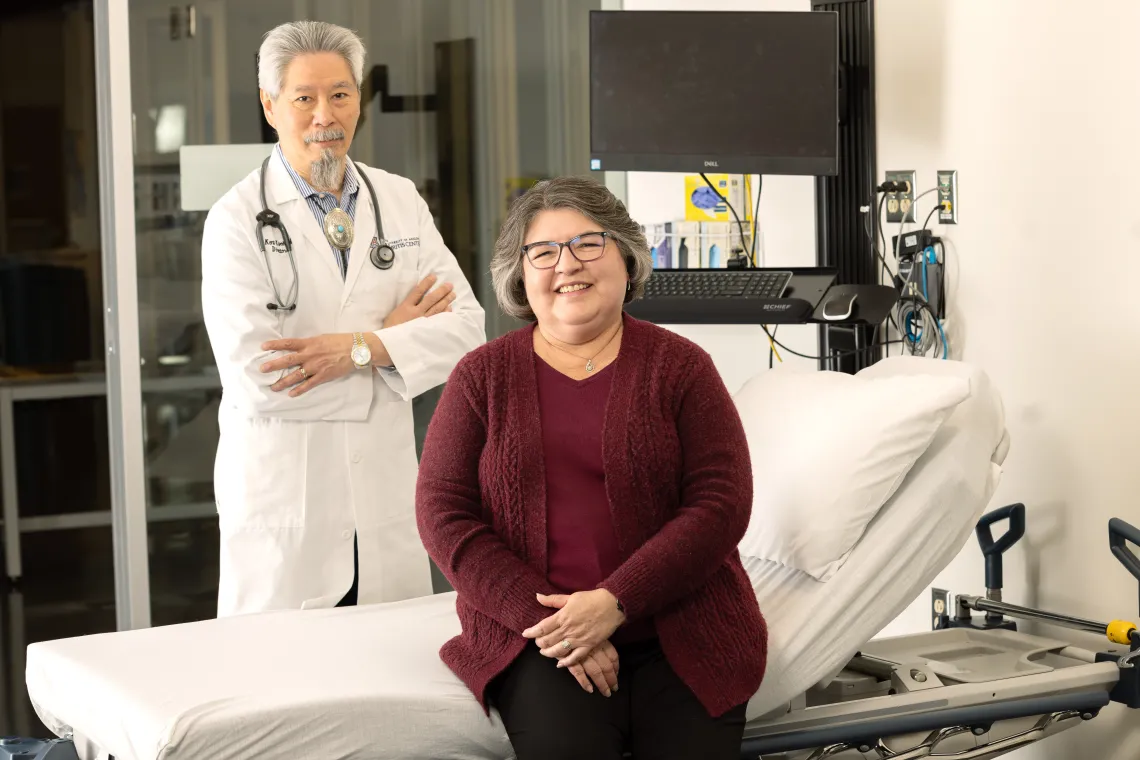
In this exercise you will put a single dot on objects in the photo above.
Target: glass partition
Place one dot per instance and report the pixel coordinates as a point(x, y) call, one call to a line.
point(54, 457)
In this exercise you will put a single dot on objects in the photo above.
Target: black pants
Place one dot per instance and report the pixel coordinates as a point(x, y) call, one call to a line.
point(349, 599)
point(653, 715)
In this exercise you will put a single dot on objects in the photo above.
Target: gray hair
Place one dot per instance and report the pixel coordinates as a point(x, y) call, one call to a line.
point(589, 198)
point(284, 43)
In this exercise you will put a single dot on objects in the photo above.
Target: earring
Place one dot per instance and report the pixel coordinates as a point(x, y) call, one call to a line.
point(627, 285)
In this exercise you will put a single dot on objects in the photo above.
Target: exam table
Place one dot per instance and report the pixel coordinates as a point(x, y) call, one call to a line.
point(367, 682)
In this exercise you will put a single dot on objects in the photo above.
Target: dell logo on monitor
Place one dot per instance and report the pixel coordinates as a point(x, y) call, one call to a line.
point(711, 163)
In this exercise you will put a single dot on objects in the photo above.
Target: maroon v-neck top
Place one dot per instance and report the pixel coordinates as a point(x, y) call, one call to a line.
point(581, 546)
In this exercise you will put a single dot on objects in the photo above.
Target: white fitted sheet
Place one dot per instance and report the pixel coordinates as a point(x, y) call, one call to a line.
point(367, 681)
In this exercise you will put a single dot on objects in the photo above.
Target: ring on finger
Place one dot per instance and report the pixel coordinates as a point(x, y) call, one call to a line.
point(566, 644)
point(303, 373)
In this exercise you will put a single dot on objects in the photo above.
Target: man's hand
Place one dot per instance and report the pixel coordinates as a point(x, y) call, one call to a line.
point(421, 303)
point(314, 360)
point(584, 620)
point(601, 667)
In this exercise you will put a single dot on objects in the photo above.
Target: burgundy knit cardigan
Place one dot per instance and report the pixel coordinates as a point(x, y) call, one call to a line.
point(679, 481)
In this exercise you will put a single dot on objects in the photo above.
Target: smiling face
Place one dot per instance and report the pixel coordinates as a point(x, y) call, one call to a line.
point(574, 300)
point(315, 116)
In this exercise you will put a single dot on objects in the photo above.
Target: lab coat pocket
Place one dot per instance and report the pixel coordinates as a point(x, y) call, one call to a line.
point(381, 292)
point(261, 473)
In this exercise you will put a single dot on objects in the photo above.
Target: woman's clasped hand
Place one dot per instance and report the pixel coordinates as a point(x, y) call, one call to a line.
point(577, 635)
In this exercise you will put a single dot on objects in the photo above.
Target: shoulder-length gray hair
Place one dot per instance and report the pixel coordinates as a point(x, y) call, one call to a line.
point(589, 198)
point(284, 43)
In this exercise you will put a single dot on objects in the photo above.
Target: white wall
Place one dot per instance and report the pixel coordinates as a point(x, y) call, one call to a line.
point(1037, 104)
point(787, 229)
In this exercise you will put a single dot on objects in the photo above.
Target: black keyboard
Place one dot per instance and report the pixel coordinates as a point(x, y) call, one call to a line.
point(727, 283)
point(719, 296)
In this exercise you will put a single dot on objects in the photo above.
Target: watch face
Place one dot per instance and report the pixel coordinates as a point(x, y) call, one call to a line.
point(361, 355)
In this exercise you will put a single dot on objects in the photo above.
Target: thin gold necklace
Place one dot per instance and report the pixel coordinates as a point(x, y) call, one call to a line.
point(590, 361)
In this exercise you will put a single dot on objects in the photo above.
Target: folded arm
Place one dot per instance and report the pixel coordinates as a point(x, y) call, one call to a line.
point(485, 572)
point(424, 350)
point(716, 502)
point(235, 291)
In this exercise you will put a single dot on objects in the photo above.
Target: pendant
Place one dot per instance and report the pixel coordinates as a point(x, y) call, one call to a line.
point(338, 229)
point(589, 365)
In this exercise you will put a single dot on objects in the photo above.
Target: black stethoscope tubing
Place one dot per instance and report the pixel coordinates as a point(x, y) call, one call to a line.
point(382, 255)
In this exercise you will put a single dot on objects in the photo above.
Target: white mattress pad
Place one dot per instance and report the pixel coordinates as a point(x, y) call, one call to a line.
point(367, 682)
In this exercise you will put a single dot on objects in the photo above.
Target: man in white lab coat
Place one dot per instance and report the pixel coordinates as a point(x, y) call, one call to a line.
point(328, 312)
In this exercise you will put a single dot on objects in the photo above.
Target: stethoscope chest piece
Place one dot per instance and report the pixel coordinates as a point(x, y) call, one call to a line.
point(383, 257)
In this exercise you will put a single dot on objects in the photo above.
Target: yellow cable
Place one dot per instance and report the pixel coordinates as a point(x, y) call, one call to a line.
point(772, 343)
point(748, 194)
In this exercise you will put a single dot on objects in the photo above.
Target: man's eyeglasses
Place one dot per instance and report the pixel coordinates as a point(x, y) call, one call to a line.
point(586, 247)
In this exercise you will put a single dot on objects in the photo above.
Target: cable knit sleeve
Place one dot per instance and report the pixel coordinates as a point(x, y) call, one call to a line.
point(474, 559)
point(715, 505)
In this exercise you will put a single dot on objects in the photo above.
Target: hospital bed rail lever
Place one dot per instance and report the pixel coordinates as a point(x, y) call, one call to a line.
point(1120, 534)
point(993, 550)
point(1127, 689)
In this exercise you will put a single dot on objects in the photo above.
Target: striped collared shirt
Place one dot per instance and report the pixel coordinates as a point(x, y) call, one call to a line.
point(322, 203)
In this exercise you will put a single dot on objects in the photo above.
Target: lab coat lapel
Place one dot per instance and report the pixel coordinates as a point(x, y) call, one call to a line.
point(364, 223)
point(298, 217)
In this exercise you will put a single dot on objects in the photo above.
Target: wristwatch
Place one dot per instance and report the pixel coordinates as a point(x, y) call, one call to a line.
point(361, 354)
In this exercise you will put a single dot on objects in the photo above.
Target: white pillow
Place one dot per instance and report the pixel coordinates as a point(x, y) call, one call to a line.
point(828, 449)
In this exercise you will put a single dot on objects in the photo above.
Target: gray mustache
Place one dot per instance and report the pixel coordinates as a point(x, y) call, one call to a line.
point(325, 134)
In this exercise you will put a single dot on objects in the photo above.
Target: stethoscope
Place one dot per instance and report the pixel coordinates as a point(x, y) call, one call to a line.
point(382, 255)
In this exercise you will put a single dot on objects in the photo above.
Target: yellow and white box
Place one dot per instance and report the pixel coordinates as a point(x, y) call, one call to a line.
point(702, 203)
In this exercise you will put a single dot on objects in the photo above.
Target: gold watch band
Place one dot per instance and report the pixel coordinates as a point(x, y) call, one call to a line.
point(357, 344)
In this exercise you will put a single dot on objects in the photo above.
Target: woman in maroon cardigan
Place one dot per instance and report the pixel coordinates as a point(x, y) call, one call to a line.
point(583, 485)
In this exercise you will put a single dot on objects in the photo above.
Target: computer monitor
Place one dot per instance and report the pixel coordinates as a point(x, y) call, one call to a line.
point(717, 91)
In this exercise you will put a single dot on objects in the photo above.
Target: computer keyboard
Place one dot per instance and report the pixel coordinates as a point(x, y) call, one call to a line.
point(719, 296)
point(718, 283)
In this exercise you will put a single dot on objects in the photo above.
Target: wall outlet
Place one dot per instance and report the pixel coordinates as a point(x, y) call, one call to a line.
point(939, 607)
point(900, 205)
point(948, 194)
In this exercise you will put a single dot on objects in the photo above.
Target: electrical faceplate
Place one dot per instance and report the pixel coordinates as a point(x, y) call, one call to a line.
point(939, 606)
point(900, 205)
point(948, 194)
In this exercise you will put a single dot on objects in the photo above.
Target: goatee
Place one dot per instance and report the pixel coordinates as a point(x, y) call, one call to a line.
point(326, 172)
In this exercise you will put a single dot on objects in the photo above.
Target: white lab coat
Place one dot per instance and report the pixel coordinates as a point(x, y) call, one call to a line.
point(295, 477)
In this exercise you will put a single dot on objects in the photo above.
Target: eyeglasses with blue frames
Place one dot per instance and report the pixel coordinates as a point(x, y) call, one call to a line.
point(586, 247)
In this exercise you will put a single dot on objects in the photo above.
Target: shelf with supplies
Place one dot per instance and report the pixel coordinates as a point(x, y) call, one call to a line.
point(755, 296)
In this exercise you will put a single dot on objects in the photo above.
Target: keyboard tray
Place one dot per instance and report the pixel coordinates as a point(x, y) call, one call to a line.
point(803, 295)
